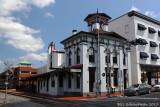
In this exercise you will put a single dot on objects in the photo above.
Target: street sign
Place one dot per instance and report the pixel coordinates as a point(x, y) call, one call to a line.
point(6, 83)
point(75, 70)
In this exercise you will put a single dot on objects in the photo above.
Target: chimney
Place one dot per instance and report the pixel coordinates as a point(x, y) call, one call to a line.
point(74, 32)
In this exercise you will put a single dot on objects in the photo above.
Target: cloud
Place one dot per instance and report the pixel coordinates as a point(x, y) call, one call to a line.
point(40, 3)
point(48, 14)
point(15, 33)
point(19, 36)
point(134, 8)
point(9, 6)
point(152, 14)
point(33, 56)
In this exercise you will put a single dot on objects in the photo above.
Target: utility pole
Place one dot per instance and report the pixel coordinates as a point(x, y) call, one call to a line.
point(7, 74)
point(98, 80)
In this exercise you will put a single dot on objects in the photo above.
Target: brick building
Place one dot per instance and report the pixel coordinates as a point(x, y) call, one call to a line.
point(18, 73)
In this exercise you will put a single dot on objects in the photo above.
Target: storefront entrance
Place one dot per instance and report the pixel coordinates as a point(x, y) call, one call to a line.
point(150, 74)
point(91, 78)
point(149, 77)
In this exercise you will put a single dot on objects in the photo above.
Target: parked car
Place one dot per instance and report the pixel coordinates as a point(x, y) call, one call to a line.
point(157, 87)
point(137, 89)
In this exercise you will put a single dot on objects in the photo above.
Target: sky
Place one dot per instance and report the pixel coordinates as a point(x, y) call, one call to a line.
point(28, 26)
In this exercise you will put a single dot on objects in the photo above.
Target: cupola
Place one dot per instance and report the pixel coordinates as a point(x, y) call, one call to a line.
point(97, 21)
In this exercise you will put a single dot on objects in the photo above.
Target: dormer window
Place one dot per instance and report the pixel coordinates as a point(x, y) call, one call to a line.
point(151, 30)
point(141, 27)
point(91, 55)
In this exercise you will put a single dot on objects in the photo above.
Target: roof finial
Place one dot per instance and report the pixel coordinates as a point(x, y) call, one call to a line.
point(97, 10)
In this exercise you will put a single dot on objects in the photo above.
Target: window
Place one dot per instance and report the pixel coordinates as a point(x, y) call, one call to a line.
point(141, 41)
point(124, 58)
point(91, 55)
point(25, 71)
point(151, 30)
point(154, 56)
point(153, 44)
point(78, 56)
point(143, 55)
point(44, 82)
point(126, 29)
point(141, 27)
point(106, 58)
point(115, 57)
point(52, 81)
point(33, 72)
point(158, 33)
point(47, 84)
point(69, 80)
point(78, 80)
point(70, 57)
point(60, 80)
point(41, 84)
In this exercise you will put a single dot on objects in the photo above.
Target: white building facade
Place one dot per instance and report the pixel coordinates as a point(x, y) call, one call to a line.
point(87, 55)
point(145, 56)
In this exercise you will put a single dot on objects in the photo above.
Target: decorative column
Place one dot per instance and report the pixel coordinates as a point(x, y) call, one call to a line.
point(129, 68)
point(120, 71)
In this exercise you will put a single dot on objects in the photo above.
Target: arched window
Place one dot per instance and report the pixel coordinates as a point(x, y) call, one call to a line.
point(115, 57)
point(78, 56)
point(91, 55)
point(124, 58)
point(70, 58)
point(107, 55)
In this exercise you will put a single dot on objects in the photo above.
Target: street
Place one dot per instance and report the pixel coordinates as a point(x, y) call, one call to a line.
point(147, 100)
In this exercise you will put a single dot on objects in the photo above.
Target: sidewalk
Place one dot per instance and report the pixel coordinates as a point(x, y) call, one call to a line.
point(57, 97)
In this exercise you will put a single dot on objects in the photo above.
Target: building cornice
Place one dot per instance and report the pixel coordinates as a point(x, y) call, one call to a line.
point(140, 15)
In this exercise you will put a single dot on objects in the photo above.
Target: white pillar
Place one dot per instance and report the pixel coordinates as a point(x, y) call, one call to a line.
point(102, 69)
point(89, 28)
point(129, 68)
point(121, 70)
point(105, 27)
point(111, 70)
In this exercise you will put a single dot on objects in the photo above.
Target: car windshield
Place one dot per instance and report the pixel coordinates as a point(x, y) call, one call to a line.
point(134, 86)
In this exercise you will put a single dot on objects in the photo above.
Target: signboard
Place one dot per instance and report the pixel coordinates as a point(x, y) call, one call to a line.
point(75, 70)
point(6, 83)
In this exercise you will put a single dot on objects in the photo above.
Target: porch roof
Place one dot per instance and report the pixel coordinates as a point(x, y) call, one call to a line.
point(34, 78)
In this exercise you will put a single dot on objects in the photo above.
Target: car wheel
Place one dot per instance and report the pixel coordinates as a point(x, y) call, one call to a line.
point(149, 91)
point(137, 93)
